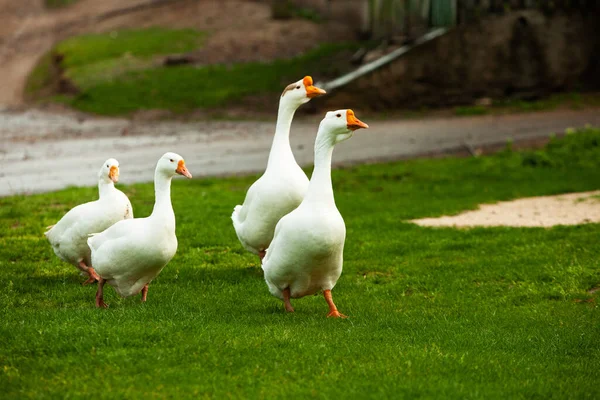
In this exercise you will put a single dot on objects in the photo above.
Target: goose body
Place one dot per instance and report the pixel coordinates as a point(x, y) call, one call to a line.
point(68, 236)
point(131, 253)
point(273, 195)
point(283, 185)
point(306, 254)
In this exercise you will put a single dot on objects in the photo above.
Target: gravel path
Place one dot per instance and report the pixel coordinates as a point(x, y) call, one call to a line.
point(42, 151)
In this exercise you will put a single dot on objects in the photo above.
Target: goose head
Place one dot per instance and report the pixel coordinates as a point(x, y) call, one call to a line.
point(340, 125)
point(171, 164)
point(109, 172)
point(301, 92)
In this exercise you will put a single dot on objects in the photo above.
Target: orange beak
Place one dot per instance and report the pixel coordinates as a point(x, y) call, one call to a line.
point(354, 123)
point(312, 91)
point(182, 170)
point(113, 174)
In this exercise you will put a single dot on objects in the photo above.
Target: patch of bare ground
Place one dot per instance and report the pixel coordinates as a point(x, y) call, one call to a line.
point(545, 211)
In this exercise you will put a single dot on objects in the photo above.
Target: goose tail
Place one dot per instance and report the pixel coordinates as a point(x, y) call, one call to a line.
point(90, 241)
point(48, 230)
point(238, 225)
point(235, 216)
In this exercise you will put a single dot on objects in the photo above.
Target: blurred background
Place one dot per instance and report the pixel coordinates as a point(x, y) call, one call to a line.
point(82, 80)
point(233, 57)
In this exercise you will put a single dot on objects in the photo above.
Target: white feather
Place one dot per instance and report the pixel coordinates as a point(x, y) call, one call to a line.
point(306, 254)
point(283, 185)
point(68, 236)
point(132, 253)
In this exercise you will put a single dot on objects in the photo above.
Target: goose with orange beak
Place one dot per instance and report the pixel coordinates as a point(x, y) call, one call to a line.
point(306, 254)
point(131, 253)
point(283, 185)
point(68, 236)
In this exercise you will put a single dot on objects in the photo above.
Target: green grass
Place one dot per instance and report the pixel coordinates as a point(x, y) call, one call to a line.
point(572, 100)
point(87, 60)
point(117, 73)
point(436, 313)
point(41, 77)
point(94, 59)
point(58, 3)
point(285, 9)
point(184, 88)
point(88, 49)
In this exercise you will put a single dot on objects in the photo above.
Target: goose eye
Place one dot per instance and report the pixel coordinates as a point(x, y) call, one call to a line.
point(338, 115)
point(106, 165)
point(297, 87)
point(171, 160)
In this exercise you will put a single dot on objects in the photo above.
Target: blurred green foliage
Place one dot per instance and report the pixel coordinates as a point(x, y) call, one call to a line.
point(116, 73)
point(58, 3)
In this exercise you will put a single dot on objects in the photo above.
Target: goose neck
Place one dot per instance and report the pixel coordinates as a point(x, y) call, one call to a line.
point(105, 188)
point(281, 148)
point(320, 188)
point(162, 193)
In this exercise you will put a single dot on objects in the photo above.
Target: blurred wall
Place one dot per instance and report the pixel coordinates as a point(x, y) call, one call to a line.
point(522, 54)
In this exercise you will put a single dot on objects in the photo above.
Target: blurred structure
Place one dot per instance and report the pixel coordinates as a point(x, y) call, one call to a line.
point(415, 52)
point(490, 49)
point(380, 19)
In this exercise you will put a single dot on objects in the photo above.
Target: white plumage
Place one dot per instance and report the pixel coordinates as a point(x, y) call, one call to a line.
point(68, 236)
point(306, 254)
point(283, 185)
point(131, 253)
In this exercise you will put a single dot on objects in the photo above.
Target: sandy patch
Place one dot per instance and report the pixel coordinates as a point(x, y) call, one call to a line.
point(545, 211)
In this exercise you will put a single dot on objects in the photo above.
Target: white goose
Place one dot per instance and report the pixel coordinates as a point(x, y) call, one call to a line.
point(283, 185)
point(68, 236)
point(306, 254)
point(131, 253)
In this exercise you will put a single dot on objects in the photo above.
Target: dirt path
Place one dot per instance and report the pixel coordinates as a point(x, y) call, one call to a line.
point(28, 31)
point(41, 151)
point(543, 211)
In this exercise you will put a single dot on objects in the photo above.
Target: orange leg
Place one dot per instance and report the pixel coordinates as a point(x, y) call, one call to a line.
point(90, 271)
point(100, 295)
point(93, 277)
point(261, 255)
point(333, 311)
point(144, 293)
point(286, 300)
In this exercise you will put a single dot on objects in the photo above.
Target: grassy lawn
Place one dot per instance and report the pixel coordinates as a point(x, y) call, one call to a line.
point(88, 60)
point(572, 100)
point(440, 313)
point(86, 50)
point(117, 73)
point(184, 88)
point(58, 3)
